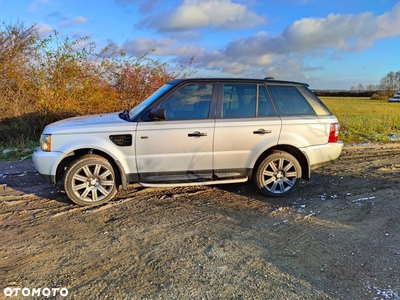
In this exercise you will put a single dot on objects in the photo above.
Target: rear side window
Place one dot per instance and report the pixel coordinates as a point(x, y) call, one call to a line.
point(289, 101)
point(246, 101)
point(318, 106)
point(239, 100)
point(265, 107)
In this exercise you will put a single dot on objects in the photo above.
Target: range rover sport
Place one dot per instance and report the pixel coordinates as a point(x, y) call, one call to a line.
point(194, 131)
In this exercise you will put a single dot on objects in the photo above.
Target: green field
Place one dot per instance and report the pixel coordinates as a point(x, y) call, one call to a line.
point(364, 120)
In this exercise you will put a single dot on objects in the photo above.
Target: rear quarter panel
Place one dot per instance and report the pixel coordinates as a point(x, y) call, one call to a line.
point(310, 134)
point(303, 131)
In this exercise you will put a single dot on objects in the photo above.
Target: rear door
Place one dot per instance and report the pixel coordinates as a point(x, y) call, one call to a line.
point(248, 124)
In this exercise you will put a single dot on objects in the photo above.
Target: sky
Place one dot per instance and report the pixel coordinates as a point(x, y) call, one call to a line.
point(327, 44)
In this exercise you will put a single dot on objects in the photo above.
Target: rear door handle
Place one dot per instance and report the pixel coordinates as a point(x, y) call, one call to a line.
point(261, 131)
point(197, 133)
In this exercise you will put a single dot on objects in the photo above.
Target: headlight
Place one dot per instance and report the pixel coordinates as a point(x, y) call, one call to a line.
point(45, 142)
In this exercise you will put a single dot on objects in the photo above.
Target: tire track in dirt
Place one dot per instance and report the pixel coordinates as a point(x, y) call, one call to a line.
point(324, 242)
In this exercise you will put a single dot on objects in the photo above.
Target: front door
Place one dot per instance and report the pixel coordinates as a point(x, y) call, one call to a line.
point(178, 148)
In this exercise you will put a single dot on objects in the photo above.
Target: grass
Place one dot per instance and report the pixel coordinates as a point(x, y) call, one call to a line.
point(364, 120)
point(17, 151)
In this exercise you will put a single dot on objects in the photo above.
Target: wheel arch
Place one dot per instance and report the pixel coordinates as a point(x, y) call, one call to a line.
point(66, 161)
point(298, 154)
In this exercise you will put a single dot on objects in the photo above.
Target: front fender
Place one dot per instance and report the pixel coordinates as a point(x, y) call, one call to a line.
point(124, 155)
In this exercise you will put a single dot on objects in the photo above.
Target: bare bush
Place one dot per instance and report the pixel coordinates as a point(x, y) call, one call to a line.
point(377, 96)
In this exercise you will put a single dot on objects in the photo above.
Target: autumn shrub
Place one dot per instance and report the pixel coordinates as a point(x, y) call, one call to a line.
point(43, 80)
point(377, 96)
point(136, 81)
point(68, 79)
point(17, 45)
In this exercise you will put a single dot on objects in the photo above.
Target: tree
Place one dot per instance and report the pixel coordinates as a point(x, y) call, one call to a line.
point(371, 87)
point(390, 83)
point(17, 43)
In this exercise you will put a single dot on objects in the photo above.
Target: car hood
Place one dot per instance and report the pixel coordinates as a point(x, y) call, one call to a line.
point(89, 124)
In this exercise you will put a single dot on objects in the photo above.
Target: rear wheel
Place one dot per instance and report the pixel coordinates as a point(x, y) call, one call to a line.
point(278, 175)
point(90, 180)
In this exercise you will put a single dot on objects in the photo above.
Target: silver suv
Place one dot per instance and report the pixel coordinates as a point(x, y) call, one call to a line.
point(194, 131)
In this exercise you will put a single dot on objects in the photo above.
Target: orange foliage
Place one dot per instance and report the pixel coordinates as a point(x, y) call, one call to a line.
point(44, 80)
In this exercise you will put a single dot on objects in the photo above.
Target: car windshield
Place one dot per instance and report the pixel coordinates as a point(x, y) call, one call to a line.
point(139, 108)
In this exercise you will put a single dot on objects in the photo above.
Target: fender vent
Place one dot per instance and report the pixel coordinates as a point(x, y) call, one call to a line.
point(122, 139)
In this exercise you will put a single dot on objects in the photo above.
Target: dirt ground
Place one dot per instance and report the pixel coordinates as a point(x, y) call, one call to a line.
point(337, 237)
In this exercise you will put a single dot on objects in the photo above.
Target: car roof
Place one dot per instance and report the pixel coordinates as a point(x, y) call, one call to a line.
point(241, 80)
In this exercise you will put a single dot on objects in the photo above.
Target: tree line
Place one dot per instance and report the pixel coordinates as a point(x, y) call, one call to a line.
point(389, 85)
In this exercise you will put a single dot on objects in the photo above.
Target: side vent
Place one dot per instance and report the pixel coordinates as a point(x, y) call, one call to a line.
point(122, 140)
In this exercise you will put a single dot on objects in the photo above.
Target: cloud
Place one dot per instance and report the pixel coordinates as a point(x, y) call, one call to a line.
point(229, 67)
point(346, 33)
point(192, 14)
point(164, 47)
point(145, 6)
point(73, 21)
point(291, 68)
point(139, 46)
point(388, 23)
point(313, 37)
point(282, 55)
point(44, 29)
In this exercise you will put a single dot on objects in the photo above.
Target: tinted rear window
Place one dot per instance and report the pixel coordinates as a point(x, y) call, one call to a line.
point(289, 101)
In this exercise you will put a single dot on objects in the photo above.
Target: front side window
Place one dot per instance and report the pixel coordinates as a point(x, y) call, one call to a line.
point(289, 101)
point(190, 102)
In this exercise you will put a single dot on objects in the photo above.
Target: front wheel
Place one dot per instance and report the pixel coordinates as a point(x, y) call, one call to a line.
point(90, 180)
point(278, 175)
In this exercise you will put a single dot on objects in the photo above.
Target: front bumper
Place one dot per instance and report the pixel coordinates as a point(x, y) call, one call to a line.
point(46, 163)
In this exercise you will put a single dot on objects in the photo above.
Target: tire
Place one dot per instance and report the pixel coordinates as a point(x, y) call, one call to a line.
point(278, 175)
point(90, 180)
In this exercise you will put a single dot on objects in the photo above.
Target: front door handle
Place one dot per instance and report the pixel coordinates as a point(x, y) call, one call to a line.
point(197, 134)
point(261, 131)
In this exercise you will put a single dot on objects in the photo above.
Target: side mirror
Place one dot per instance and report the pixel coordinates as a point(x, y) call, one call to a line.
point(157, 114)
